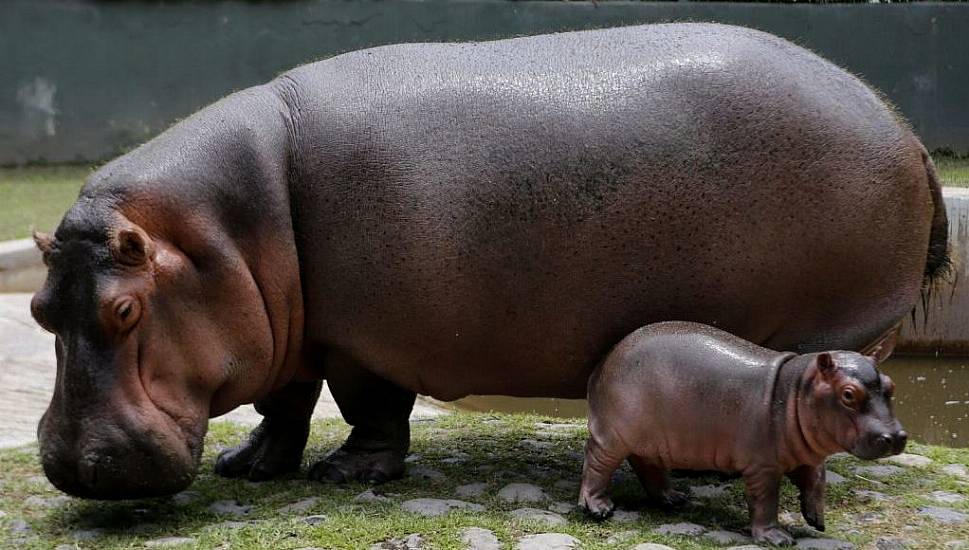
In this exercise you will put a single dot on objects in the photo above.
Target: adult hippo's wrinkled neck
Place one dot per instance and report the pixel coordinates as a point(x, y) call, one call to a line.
point(174, 292)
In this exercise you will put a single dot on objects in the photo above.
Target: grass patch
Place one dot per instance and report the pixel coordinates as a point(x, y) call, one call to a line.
point(953, 171)
point(495, 449)
point(37, 197)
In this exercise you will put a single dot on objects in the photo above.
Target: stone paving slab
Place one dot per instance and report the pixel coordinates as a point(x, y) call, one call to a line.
point(28, 370)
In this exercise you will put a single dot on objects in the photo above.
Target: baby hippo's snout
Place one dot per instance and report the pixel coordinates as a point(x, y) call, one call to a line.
point(881, 444)
point(894, 442)
point(880, 434)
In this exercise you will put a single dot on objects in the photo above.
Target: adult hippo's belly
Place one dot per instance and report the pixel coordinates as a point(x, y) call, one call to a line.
point(454, 219)
point(492, 218)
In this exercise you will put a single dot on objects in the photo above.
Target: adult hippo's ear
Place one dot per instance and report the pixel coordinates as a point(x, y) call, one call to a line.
point(44, 243)
point(131, 247)
point(883, 347)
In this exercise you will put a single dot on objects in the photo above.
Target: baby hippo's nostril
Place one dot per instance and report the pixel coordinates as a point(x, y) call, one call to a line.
point(901, 438)
point(886, 441)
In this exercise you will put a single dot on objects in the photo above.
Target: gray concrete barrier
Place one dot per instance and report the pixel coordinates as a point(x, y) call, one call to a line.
point(21, 266)
point(939, 325)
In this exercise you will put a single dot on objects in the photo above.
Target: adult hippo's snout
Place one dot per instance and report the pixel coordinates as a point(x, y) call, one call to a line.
point(114, 455)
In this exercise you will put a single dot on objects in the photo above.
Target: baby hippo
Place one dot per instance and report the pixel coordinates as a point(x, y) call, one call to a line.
point(689, 396)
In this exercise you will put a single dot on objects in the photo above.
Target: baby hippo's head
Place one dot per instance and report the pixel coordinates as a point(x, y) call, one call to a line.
point(853, 403)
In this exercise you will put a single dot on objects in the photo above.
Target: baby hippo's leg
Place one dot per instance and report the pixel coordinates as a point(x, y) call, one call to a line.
point(602, 458)
point(656, 481)
point(810, 481)
point(763, 488)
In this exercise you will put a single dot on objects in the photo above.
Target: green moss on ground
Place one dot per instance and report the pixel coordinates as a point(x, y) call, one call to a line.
point(497, 449)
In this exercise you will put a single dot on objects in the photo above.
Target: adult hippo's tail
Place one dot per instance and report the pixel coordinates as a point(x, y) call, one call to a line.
point(937, 260)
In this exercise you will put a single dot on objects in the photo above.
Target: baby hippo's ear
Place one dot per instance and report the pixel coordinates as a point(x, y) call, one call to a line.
point(826, 365)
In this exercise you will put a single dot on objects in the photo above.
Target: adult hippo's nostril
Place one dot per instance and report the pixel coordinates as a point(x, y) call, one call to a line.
point(87, 469)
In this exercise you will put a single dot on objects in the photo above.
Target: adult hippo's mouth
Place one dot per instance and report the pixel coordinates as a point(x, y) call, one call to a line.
point(118, 448)
point(112, 455)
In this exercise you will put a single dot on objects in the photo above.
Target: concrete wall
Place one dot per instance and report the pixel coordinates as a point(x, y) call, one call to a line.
point(940, 323)
point(84, 80)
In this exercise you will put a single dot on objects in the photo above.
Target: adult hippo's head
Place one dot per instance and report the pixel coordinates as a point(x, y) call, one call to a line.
point(173, 298)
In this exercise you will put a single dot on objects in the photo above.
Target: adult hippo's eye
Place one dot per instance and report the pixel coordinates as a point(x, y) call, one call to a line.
point(124, 310)
point(126, 313)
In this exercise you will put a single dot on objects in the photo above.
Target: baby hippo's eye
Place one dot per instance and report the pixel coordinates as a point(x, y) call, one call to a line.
point(888, 387)
point(848, 396)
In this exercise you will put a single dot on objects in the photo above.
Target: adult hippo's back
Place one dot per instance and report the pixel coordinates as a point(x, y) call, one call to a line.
point(451, 219)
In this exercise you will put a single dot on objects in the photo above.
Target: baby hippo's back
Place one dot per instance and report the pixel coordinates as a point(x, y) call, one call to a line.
point(685, 395)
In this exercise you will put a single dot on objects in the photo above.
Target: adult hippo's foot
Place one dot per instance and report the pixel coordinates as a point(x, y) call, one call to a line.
point(276, 446)
point(349, 463)
point(378, 410)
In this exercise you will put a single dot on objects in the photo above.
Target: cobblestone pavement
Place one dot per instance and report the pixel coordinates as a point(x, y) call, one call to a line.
point(28, 368)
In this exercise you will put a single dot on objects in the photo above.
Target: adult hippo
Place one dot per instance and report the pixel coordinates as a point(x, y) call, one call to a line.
point(454, 219)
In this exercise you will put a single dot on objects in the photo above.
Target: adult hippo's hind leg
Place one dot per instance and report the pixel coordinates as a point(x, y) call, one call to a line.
point(276, 446)
point(379, 412)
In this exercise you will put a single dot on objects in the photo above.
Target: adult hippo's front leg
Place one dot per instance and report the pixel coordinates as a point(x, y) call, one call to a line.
point(379, 412)
point(276, 446)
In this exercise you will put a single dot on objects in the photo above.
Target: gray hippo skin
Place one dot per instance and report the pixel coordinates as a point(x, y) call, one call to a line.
point(689, 396)
point(455, 219)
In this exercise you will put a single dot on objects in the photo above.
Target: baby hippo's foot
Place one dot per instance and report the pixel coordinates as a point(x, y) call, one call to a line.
point(814, 518)
point(672, 498)
point(598, 508)
point(773, 535)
